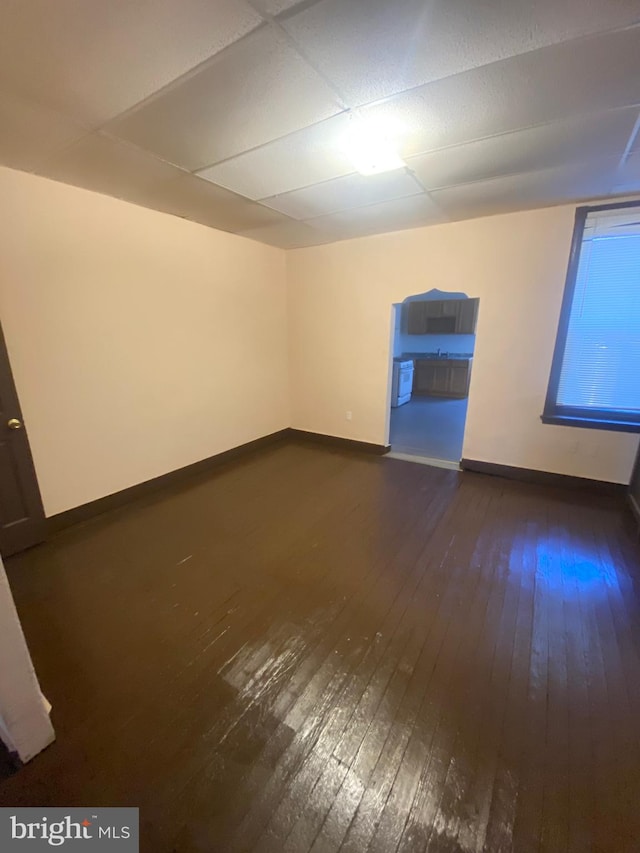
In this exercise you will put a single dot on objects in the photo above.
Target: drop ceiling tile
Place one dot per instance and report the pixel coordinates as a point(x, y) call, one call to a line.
point(627, 179)
point(532, 189)
point(115, 168)
point(31, 132)
point(557, 144)
point(276, 7)
point(109, 166)
point(635, 142)
point(371, 49)
point(94, 59)
point(288, 235)
point(201, 201)
point(257, 90)
point(345, 193)
point(306, 157)
point(556, 83)
point(395, 215)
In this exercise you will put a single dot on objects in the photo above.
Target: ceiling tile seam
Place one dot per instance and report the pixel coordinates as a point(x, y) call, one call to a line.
point(630, 143)
point(53, 155)
point(428, 194)
point(506, 175)
point(591, 199)
point(432, 201)
point(309, 186)
point(238, 196)
point(183, 172)
point(419, 191)
point(502, 61)
point(127, 143)
point(90, 127)
point(270, 209)
point(30, 100)
point(524, 128)
point(296, 9)
point(84, 126)
point(376, 233)
point(269, 142)
point(420, 153)
point(353, 174)
point(417, 180)
point(408, 168)
point(182, 78)
point(580, 200)
point(45, 160)
point(43, 164)
point(371, 204)
point(449, 219)
point(270, 20)
point(186, 216)
point(515, 174)
point(196, 172)
point(273, 22)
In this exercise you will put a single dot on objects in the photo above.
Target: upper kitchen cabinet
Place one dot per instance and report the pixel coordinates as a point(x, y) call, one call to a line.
point(415, 317)
point(441, 317)
point(466, 316)
point(430, 317)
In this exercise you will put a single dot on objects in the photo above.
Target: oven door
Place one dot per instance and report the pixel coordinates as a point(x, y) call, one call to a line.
point(405, 381)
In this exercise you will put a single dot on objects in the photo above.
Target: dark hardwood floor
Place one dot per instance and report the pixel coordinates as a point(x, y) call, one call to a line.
point(317, 650)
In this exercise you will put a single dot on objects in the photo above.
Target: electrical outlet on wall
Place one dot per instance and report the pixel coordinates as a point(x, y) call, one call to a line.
point(348, 416)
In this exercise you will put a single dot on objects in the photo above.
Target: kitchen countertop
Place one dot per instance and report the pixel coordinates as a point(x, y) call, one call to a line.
point(434, 356)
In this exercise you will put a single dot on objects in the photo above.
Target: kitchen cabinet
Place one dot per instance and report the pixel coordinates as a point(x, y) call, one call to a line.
point(430, 377)
point(441, 316)
point(458, 380)
point(416, 317)
point(466, 316)
point(442, 377)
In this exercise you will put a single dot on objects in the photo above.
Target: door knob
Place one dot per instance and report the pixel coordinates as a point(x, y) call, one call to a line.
point(14, 423)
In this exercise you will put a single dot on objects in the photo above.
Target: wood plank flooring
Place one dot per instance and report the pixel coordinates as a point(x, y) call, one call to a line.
point(314, 650)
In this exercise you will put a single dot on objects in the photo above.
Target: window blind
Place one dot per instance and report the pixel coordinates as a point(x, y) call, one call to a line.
point(600, 366)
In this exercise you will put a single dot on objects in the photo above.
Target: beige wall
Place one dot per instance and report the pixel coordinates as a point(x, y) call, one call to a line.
point(340, 304)
point(139, 342)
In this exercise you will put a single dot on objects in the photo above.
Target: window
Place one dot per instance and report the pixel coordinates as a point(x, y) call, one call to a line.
point(595, 375)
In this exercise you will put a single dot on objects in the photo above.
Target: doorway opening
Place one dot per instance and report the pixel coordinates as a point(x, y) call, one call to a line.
point(433, 347)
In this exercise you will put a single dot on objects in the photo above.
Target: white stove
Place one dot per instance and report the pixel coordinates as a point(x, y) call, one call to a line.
point(402, 382)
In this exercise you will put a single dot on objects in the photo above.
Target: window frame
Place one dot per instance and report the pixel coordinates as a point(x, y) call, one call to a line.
point(572, 415)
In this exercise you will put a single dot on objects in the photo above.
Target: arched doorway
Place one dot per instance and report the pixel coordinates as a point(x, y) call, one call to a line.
point(433, 350)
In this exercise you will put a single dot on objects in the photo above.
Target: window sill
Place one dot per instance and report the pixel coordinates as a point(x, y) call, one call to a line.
point(591, 423)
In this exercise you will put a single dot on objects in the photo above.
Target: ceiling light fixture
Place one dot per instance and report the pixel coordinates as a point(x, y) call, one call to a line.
point(372, 146)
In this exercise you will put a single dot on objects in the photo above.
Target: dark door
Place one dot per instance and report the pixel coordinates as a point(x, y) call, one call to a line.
point(22, 521)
